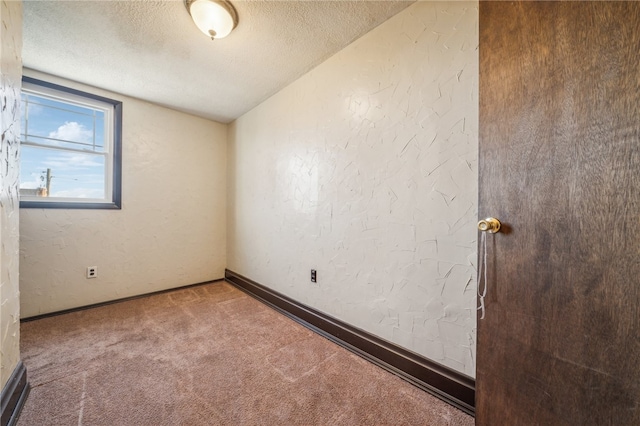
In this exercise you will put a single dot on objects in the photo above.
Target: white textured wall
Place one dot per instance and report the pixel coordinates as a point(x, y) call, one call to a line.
point(366, 170)
point(10, 84)
point(170, 232)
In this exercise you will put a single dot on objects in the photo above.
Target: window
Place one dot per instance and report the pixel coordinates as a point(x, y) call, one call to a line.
point(70, 148)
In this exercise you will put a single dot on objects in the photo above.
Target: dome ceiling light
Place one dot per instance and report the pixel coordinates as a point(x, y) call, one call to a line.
point(215, 18)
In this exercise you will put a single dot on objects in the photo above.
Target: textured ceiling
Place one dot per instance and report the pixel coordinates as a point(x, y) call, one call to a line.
point(153, 51)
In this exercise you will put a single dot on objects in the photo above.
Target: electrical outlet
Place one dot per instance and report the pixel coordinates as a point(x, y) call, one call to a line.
point(92, 271)
point(314, 276)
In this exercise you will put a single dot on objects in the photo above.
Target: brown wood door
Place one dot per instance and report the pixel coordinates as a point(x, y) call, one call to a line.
point(560, 167)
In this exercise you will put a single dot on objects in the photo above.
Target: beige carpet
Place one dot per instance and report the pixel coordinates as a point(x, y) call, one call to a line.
point(207, 355)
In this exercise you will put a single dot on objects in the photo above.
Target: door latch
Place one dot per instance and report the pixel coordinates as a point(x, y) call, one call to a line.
point(490, 225)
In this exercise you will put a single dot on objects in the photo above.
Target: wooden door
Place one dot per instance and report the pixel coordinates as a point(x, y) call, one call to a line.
point(560, 167)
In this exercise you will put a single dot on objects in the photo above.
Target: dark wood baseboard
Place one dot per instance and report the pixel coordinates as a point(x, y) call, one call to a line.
point(455, 388)
point(14, 395)
point(110, 302)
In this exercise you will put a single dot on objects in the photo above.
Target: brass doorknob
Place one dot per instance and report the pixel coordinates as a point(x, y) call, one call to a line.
point(490, 225)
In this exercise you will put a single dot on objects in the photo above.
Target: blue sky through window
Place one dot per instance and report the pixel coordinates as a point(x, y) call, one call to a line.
point(67, 139)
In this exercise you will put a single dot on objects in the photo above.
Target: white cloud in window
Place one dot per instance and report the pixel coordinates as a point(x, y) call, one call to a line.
point(32, 184)
point(71, 162)
point(79, 193)
point(72, 131)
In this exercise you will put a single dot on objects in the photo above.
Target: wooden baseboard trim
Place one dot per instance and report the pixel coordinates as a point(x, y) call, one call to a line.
point(111, 302)
point(455, 388)
point(14, 395)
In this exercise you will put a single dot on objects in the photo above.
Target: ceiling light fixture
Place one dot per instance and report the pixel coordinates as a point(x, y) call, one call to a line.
point(215, 18)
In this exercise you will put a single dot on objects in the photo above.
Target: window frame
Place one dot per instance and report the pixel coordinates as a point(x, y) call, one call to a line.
point(114, 202)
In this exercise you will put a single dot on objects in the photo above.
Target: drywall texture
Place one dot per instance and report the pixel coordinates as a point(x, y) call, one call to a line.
point(171, 229)
point(274, 43)
point(10, 83)
point(366, 170)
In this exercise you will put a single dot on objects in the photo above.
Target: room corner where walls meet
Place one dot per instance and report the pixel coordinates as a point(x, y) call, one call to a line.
point(365, 169)
point(170, 232)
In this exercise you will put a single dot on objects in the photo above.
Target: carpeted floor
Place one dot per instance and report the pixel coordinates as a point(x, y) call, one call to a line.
point(207, 355)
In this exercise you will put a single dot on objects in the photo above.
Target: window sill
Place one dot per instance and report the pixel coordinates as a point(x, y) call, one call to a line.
point(68, 205)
